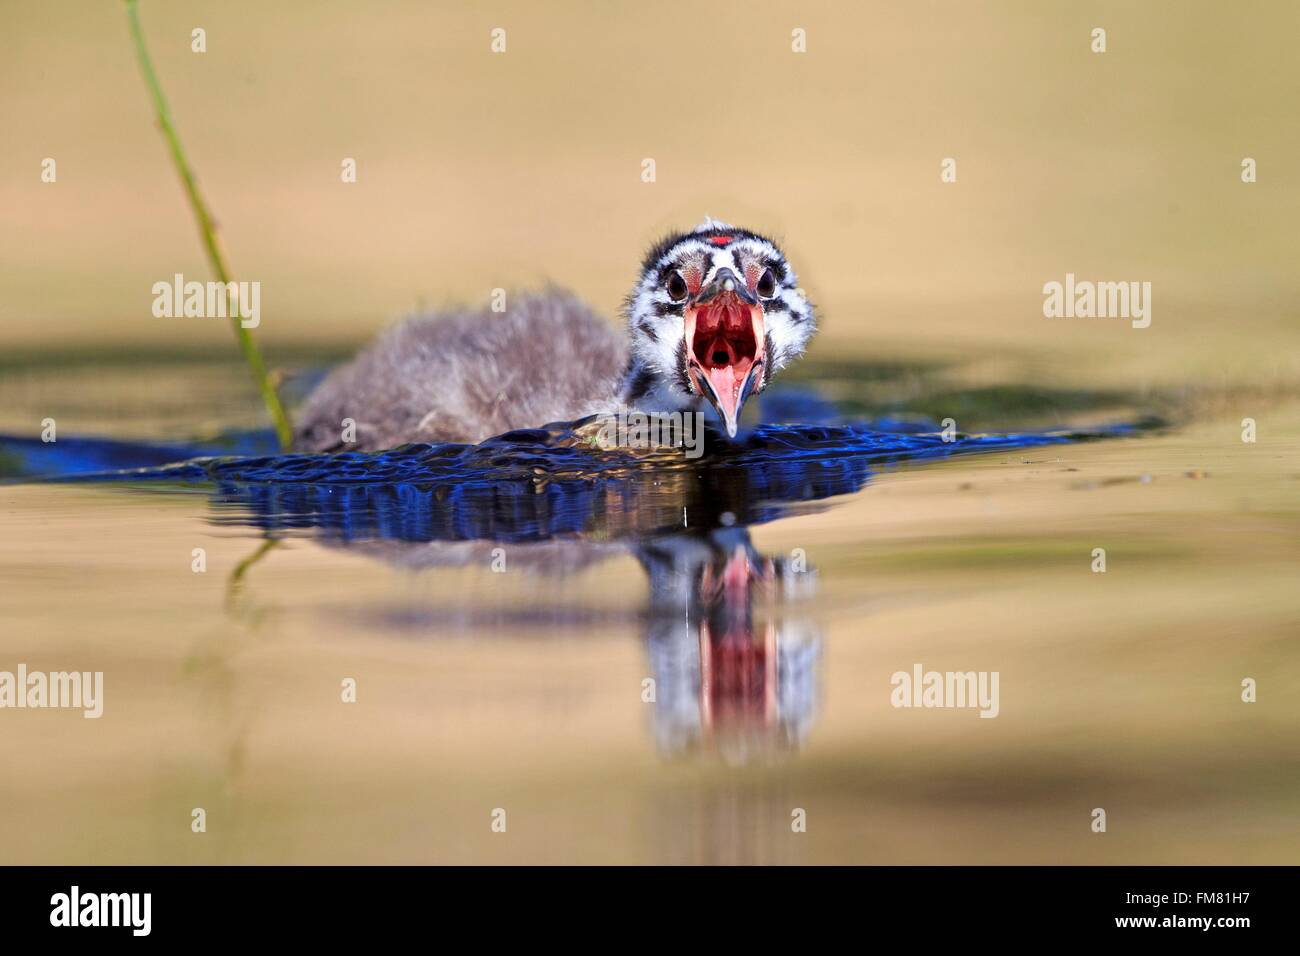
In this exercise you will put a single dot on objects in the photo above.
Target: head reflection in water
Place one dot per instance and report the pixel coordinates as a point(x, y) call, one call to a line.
point(734, 656)
point(735, 666)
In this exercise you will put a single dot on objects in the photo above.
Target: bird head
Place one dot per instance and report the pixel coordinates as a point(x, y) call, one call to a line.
point(715, 314)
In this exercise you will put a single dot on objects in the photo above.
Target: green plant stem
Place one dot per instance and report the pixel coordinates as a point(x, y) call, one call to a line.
point(235, 583)
point(207, 231)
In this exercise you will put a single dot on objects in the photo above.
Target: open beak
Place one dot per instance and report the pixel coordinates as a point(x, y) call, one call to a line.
point(725, 345)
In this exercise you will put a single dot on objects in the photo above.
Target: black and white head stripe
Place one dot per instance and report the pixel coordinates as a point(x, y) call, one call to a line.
point(655, 320)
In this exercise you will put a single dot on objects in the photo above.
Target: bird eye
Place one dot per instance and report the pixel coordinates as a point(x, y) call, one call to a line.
point(767, 284)
point(676, 287)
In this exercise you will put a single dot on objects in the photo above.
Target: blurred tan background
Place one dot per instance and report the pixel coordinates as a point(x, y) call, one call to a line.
point(479, 170)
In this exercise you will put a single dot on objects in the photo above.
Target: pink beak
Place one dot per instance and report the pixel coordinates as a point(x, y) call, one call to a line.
point(725, 346)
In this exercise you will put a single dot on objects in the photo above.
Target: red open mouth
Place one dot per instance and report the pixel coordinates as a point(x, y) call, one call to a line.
point(725, 340)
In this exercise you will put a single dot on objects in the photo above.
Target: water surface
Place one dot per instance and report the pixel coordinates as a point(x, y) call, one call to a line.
point(643, 658)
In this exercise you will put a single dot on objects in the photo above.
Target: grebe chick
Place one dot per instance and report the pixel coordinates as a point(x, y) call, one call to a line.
point(715, 313)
